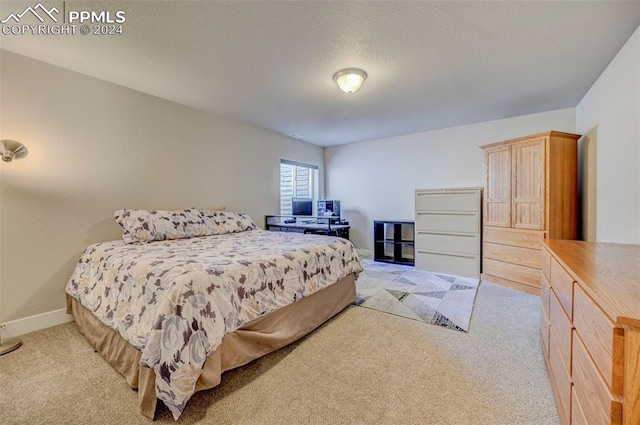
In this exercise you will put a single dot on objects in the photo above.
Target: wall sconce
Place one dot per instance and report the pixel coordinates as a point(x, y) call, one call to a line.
point(350, 79)
point(10, 150)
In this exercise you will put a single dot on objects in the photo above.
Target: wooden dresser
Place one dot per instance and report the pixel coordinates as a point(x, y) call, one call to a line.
point(590, 330)
point(530, 193)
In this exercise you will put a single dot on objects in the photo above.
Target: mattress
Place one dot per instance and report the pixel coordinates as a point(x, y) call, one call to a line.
point(174, 301)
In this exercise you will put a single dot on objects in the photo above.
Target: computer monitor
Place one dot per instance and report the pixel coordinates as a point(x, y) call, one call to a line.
point(301, 206)
point(329, 208)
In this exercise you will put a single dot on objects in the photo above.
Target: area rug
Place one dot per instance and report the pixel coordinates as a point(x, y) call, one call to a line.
point(438, 299)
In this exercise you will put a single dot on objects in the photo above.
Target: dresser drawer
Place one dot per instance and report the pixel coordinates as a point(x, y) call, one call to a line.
point(514, 237)
point(544, 333)
point(560, 329)
point(545, 291)
point(461, 265)
point(562, 284)
point(513, 254)
point(562, 380)
point(577, 413)
point(461, 244)
point(604, 342)
point(545, 256)
point(452, 222)
point(439, 200)
point(598, 403)
point(521, 274)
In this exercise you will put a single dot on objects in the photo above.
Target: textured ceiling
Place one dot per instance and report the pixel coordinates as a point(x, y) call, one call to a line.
point(270, 63)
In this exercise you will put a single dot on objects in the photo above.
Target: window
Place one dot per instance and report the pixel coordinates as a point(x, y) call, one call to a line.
point(297, 180)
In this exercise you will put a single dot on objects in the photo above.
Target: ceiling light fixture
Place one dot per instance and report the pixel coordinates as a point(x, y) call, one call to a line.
point(10, 150)
point(350, 79)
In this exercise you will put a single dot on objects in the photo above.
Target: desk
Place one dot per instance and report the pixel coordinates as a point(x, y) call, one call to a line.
point(277, 224)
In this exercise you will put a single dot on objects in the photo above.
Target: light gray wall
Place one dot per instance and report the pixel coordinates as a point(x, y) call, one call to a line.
point(609, 117)
point(95, 147)
point(377, 179)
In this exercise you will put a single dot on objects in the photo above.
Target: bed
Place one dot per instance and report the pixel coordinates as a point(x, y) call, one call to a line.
point(187, 295)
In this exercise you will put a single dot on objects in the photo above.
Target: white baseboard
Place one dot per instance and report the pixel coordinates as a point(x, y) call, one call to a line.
point(35, 323)
point(365, 253)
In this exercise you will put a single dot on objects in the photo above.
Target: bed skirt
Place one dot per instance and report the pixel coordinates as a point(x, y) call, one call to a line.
point(253, 340)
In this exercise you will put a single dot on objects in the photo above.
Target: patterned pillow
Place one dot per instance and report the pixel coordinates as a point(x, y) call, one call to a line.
point(155, 225)
point(221, 222)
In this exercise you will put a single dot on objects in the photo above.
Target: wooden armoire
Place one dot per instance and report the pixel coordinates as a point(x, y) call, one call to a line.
point(530, 193)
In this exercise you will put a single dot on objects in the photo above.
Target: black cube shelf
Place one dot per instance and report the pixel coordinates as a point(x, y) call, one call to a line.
point(394, 241)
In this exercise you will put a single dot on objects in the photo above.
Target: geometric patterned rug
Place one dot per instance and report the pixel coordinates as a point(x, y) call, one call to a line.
point(438, 299)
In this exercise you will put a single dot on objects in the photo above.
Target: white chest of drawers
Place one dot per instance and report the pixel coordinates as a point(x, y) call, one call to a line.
point(447, 230)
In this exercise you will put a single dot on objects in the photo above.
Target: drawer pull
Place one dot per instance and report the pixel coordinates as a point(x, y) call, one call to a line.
point(446, 213)
point(447, 254)
point(469, 235)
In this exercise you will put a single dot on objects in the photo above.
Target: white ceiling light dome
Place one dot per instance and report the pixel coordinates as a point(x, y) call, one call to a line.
point(350, 79)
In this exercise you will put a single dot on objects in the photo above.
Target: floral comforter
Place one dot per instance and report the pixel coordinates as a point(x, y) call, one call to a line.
point(175, 300)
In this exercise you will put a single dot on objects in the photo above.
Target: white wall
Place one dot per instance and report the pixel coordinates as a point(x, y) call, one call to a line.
point(609, 117)
point(377, 179)
point(95, 147)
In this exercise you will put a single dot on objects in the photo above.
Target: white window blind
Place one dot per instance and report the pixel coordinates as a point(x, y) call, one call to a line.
point(297, 180)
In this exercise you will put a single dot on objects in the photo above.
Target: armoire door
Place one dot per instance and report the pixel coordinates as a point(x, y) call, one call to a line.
point(498, 187)
point(528, 190)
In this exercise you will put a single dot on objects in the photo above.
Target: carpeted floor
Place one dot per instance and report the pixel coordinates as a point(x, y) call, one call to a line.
point(362, 367)
point(438, 299)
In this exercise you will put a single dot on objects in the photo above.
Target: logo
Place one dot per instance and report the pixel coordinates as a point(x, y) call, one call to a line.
point(34, 11)
point(84, 22)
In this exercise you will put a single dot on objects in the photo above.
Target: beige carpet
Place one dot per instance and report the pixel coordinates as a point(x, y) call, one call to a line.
point(363, 367)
